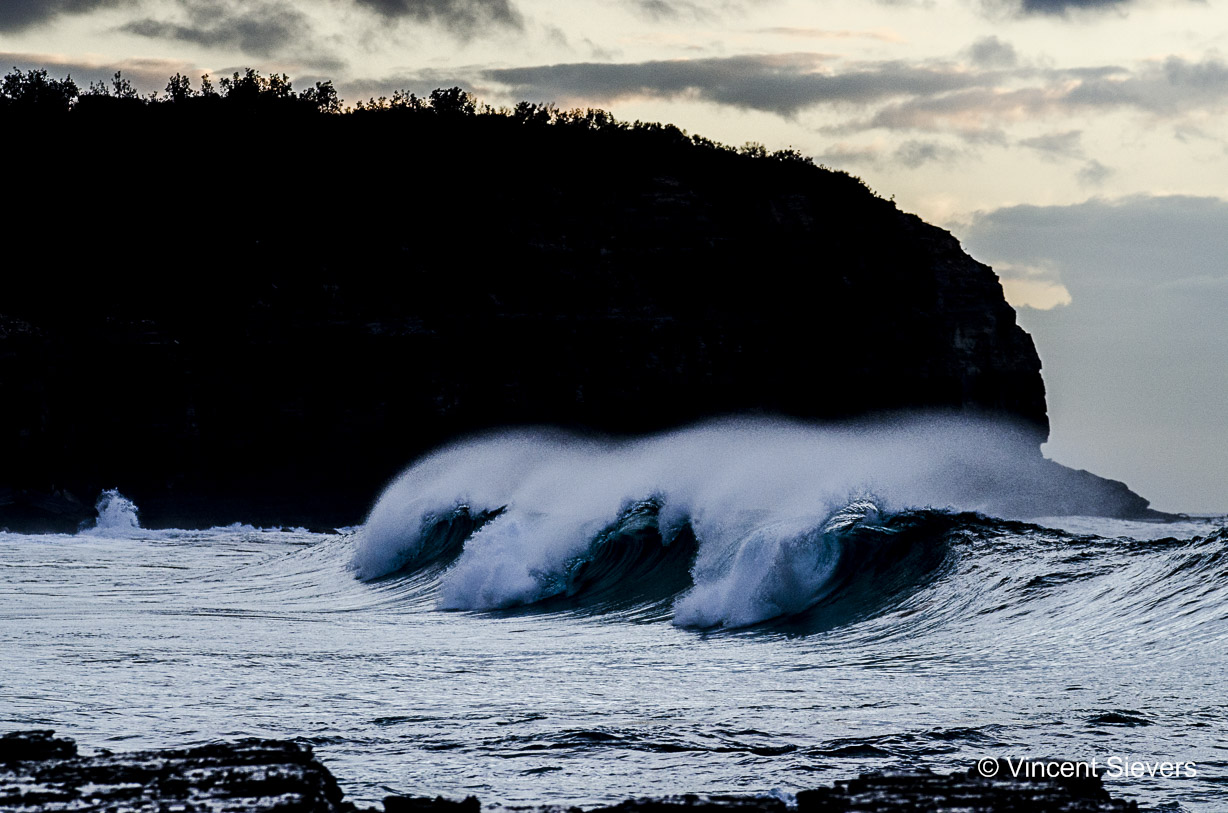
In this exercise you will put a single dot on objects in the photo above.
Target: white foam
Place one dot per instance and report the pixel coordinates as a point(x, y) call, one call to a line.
point(757, 493)
point(117, 515)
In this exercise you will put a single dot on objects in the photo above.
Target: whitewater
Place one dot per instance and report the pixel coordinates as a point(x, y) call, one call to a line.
point(741, 607)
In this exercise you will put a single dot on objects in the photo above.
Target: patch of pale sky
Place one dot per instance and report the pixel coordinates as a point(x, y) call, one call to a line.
point(1039, 294)
point(1032, 286)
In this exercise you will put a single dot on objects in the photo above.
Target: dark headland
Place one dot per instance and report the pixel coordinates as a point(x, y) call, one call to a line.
point(41, 772)
point(249, 305)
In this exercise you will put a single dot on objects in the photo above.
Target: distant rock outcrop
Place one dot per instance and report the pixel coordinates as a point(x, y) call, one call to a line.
point(236, 316)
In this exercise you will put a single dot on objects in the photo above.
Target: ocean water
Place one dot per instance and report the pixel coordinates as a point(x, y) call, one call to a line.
point(738, 608)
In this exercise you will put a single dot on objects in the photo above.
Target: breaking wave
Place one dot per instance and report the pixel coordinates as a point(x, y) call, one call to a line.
point(729, 524)
point(117, 515)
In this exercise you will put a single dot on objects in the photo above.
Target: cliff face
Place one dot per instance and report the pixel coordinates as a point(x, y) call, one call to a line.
point(264, 320)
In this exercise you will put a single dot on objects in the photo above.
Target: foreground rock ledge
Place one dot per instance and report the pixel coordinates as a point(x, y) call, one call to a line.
point(39, 771)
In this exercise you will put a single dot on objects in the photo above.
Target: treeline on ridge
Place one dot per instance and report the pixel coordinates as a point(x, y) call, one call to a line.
point(34, 93)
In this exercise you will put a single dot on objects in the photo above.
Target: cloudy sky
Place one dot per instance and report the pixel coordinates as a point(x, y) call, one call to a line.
point(1078, 146)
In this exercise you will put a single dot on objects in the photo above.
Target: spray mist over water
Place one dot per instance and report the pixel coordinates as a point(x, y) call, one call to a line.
point(773, 505)
point(117, 515)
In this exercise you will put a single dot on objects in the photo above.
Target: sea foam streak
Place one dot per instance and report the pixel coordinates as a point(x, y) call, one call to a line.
point(773, 506)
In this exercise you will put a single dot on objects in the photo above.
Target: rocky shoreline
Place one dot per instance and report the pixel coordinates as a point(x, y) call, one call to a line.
point(42, 772)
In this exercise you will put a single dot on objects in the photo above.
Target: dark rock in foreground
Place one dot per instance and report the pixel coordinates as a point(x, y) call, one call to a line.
point(40, 772)
point(971, 792)
point(44, 773)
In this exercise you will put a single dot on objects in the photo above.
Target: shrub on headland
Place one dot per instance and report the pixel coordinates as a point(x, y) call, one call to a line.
point(34, 93)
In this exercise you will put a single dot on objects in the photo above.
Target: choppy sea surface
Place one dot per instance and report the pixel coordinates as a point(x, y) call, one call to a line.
point(531, 620)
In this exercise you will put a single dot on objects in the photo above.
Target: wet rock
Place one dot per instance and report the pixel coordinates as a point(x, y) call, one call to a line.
point(43, 773)
point(698, 804)
point(40, 772)
point(969, 792)
point(35, 745)
point(423, 804)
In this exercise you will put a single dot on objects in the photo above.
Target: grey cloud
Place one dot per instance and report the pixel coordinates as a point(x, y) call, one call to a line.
point(976, 104)
point(975, 111)
point(1052, 8)
point(597, 51)
point(1169, 88)
point(991, 52)
point(669, 10)
point(778, 83)
point(975, 101)
point(1094, 173)
point(913, 154)
point(1056, 145)
point(849, 155)
point(659, 9)
point(16, 15)
point(1113, 242)
point(1064, 6)
point(262, 29)
point(461, 17)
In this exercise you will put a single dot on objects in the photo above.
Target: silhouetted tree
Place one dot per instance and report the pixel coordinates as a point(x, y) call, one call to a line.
point(97, 89)
point(792, 155)
point(453, 102)
point(709, 144)
point(323, 97)
point(245, 88)
point(403, 100)
point(588, 119)
point(274, 96)
point(279, 87)
point(34, 89)
point(754, 149)
point(373, 104)
point(534, 114)
point(179, 88)
point(663, 134)
point(122, 88)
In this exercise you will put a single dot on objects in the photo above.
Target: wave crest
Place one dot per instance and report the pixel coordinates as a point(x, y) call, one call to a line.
point(774, 517)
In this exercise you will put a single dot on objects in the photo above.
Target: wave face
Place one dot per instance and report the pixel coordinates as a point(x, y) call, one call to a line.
point(733, 523)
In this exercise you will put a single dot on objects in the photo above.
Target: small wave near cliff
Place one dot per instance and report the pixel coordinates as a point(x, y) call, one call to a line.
point(117, 516)
point(729, 524)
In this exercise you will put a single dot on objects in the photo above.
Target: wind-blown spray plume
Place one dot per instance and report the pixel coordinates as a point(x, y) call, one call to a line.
point(772, 507)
